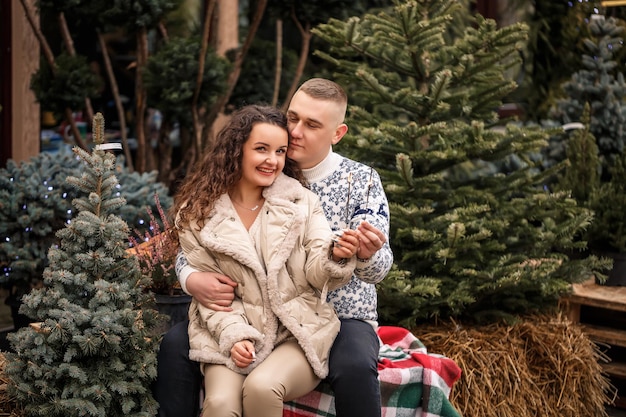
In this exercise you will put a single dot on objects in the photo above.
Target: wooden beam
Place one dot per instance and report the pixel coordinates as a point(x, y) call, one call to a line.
point(25, 117)
point(6, 80)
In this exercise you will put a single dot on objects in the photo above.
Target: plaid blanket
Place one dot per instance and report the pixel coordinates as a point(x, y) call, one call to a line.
point(413, 383)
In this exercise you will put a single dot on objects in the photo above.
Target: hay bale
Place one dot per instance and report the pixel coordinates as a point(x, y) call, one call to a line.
point(541, 366)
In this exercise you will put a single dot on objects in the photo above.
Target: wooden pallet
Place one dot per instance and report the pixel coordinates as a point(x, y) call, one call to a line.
point(601, 311)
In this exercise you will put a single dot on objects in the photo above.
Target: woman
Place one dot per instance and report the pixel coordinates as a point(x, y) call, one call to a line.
point(238, 214)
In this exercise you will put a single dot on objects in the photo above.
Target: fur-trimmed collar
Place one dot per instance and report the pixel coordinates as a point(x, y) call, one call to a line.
point(284, 191)
point(284, 188)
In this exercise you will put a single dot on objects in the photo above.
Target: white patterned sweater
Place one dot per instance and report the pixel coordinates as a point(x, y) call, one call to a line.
point(349, 192)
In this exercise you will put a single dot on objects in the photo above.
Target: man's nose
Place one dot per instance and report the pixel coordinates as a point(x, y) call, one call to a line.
point(296, 130)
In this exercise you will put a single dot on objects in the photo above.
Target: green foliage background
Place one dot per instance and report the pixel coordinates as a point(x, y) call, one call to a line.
point(475, 232)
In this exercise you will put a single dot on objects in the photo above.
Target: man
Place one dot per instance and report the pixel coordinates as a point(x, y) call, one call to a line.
point(352, 196)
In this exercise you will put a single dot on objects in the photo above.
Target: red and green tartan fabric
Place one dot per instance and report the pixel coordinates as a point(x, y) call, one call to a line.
point(413, 382)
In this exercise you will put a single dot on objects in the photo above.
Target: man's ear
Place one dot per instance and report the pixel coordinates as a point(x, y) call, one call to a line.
point(341, 130)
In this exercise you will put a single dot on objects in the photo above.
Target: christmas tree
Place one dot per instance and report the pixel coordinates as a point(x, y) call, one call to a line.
point(581, 177)
point(601, 85)
point(607, 233)
point(91, 350)
point(35, 202)
point(475, 232)
point(594, 95)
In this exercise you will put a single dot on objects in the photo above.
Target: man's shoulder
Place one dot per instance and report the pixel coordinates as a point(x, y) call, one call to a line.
point(348, 164)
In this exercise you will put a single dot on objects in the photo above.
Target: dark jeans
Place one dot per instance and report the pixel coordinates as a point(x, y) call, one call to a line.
point(353, 373)
point(178, 382)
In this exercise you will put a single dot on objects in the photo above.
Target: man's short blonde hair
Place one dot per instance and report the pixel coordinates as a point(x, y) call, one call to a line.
point(323, 89)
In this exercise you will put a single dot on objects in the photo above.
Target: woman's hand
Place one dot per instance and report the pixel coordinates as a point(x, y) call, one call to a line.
point(243, 353)
point(345, 245)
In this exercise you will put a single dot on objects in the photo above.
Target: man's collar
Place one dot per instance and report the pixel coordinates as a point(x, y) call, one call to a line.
point(322, 170)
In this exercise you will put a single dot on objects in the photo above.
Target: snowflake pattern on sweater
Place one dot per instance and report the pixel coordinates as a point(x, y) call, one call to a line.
point(351, 192)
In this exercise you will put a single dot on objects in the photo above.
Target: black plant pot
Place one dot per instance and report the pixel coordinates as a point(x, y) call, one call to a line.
point(19, 320)
point(174, 306)
point(617, 276)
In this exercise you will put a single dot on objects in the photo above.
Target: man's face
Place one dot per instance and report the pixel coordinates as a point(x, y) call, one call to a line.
point(315, 126)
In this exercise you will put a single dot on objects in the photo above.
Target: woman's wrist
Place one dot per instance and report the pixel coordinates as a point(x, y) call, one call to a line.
point(340, 261)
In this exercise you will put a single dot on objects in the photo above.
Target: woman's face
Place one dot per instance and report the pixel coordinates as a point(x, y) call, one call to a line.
point(264, 154)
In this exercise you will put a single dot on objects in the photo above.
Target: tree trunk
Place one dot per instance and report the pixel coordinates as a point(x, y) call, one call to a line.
point(233, 77)
point(144, 151)
point(198, 127)
point(164, 148)
point(118, 101)
point(305, 45)
point(279, 60)
point(69, 44)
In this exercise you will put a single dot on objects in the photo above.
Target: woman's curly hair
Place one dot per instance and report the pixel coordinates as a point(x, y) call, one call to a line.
point(220, 168)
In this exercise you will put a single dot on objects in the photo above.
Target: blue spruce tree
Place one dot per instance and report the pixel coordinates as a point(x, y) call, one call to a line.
point(600, 84)
point(91, 350)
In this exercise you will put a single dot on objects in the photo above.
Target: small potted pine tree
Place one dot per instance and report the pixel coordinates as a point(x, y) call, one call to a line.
point(91, 348)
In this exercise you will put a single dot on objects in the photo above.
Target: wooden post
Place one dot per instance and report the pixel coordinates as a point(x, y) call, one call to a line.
point(228, 26)
point(25, 113)
point(227, 38)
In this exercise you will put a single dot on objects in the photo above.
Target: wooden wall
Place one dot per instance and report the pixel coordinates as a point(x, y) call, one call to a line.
point(20, 133)
point(25, 57)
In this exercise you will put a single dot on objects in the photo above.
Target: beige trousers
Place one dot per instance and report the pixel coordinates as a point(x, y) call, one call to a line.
point(284, 376)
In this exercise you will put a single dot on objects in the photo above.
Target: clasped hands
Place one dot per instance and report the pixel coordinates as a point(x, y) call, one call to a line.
point(368, 241)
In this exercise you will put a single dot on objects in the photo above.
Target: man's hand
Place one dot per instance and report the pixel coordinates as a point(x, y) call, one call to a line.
point(370, 240)
point(212, 290)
